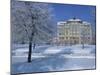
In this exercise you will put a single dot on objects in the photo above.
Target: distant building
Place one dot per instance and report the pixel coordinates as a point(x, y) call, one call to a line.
point(74, 31)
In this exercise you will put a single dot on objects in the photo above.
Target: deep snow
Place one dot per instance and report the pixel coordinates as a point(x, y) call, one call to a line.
point(53, 58)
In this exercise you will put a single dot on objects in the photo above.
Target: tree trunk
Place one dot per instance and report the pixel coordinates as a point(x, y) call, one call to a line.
point(30, 51)
point(30, 47)
point(83, 46)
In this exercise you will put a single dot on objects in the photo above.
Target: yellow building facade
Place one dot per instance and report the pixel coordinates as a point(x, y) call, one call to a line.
point(74, 31)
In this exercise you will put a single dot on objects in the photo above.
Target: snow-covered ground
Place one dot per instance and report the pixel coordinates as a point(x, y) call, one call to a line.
point(53, 58)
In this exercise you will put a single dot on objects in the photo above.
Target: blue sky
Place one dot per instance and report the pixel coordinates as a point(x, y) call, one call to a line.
point(64, 12)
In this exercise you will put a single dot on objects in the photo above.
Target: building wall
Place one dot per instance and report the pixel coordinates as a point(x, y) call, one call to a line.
point(74, 32)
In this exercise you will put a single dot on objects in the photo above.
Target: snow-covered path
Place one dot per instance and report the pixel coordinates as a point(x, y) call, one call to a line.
point(24, 58)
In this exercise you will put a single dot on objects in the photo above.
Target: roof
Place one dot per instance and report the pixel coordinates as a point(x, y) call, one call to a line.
point(74, 19)
point(61, 22)
point(86, 23)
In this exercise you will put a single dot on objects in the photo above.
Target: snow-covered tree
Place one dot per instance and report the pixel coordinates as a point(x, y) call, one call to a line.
point(83, 36)
point(31, 23)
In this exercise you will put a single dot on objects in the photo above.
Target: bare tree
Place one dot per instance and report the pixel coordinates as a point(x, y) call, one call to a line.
point(83, 36)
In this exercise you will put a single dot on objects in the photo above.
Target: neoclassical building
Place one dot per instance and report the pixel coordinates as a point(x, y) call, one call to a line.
point(74, 31)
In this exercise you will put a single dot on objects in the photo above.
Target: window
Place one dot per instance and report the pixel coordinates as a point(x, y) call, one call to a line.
point(61, 38)
point(66, 37)
point(61, 33)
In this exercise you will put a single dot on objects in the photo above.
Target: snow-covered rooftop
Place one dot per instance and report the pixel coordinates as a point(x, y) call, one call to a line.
point(74, 19)
point(61, 22)
point(86, 23)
